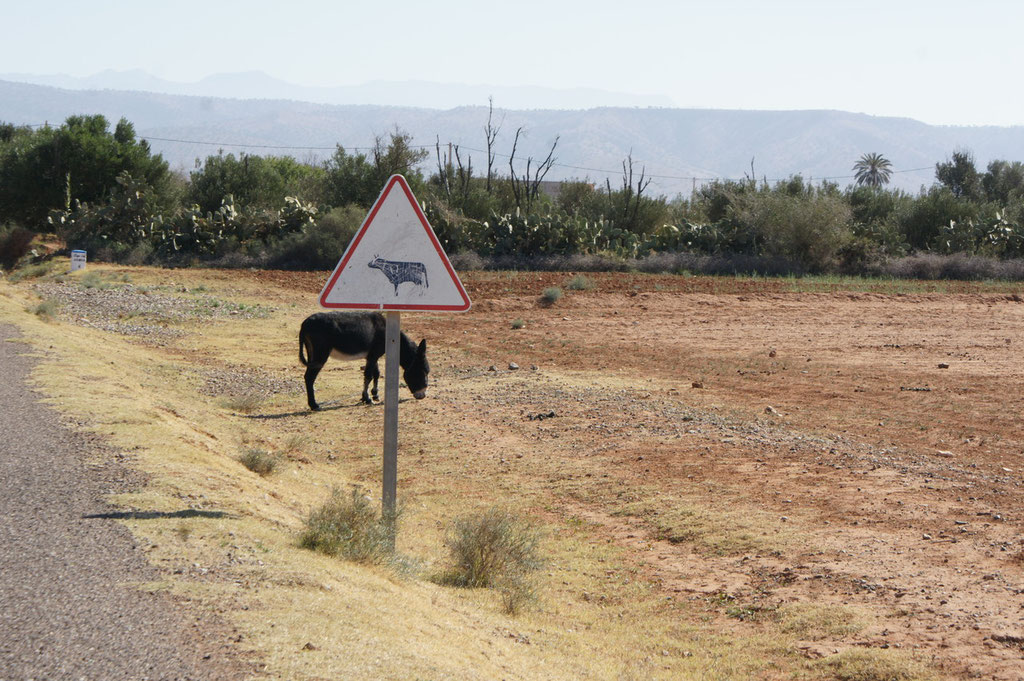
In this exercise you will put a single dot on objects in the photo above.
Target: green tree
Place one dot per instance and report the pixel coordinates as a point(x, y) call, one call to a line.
point(261, 182)
point(7, 132)
point(868, 205)
point(349, 179)
point(921, 221)
point(46, 169)
point(1003, 182)
point(359, 179)
point(247, 178)
point(397, 155)
point(301, 179)
point(959, 175)
point(872, 170)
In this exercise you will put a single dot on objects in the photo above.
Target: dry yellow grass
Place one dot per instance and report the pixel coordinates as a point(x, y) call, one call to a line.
point(874, 665)
point(715, 526)
point(813, 621)
point(227, 538)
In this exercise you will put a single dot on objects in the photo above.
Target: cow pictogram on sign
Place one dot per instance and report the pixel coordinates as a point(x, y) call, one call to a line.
point(401, 272)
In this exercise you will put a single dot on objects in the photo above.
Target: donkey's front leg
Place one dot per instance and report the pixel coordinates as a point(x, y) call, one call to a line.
point(370, 373)
point(376, 378)
point(311, 373)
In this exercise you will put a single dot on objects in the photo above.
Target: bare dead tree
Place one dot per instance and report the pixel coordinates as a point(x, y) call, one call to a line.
point(491, 133)
point(443, 171)
point(631, 199)
point(525, 187)
point(463, 174)
point(454, 177)
point(752, 178)
point(543, 168)
point(627, 185)
point(517, 187)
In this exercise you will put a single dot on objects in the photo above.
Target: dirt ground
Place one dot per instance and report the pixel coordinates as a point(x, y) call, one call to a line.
point(883, 428)
point(751, 444)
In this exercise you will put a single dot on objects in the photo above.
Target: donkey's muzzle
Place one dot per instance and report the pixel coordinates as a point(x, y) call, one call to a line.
point(420, 394)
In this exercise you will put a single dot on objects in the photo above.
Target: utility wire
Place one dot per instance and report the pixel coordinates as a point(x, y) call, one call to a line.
point(605, 171)
point(249, 146)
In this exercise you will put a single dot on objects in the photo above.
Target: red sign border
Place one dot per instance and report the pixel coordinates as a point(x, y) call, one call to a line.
point(392, 181)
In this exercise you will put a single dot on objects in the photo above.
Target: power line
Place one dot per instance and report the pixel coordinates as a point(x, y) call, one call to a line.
point(604, 171)
point(271, 146)
point(245, 146)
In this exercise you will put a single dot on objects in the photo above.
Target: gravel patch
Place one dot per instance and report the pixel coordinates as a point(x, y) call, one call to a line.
point(235, 381)
point(139, 311)
point(575, 414)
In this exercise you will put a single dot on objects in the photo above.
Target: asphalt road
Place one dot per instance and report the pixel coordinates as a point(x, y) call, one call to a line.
point(67, 607)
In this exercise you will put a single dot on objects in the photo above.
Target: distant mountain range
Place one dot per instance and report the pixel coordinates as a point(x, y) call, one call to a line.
point(258, 85)
point(678, 148)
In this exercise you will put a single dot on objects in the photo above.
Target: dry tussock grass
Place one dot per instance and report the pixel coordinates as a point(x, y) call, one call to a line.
point(720, 528)
point(348, 526)
point(872, 664)
point(259, 461)
point(813, 622)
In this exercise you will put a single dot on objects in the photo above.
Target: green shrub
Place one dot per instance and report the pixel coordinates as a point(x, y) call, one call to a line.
point(492, 549)
point(712, 201)
point(580, 282)
point(921, 221)
point(320, 245)
point(47, 309)
point(259, 461)
point(349, 527)
point(262, 182)
point(992, 235)
point(551, 295)
point(518, 324)
point(807, 226)
point(116, 222)
point(30, 272)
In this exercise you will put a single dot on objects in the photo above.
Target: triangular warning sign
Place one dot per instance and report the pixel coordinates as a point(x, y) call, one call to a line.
point(395, 261)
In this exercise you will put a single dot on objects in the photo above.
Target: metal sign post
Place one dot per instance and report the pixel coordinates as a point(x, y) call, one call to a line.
point(392, 333)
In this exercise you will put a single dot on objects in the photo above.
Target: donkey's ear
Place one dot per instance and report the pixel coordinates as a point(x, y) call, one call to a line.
point(422, 349)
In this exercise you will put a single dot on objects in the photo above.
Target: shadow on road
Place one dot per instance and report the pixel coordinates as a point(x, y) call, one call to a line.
point(154, 515)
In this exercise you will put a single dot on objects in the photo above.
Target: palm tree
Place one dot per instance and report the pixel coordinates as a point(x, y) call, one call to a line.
point(873, 170)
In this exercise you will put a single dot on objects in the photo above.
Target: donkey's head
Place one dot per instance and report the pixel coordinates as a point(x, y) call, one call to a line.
point(416, 371)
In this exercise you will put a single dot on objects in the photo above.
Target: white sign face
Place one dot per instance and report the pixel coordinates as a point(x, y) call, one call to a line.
point(77, 260)
point(395, 261)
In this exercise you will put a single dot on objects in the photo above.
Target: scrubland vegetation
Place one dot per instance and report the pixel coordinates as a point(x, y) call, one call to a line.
point(106, 192)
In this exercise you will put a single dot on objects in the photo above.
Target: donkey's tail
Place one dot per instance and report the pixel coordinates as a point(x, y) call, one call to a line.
point(302, 347)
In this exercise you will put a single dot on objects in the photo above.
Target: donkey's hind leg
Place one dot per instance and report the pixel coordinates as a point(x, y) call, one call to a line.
point(311, 373)
point(317, 359)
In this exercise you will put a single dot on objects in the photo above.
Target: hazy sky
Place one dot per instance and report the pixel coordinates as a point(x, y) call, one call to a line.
point(937, 61)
